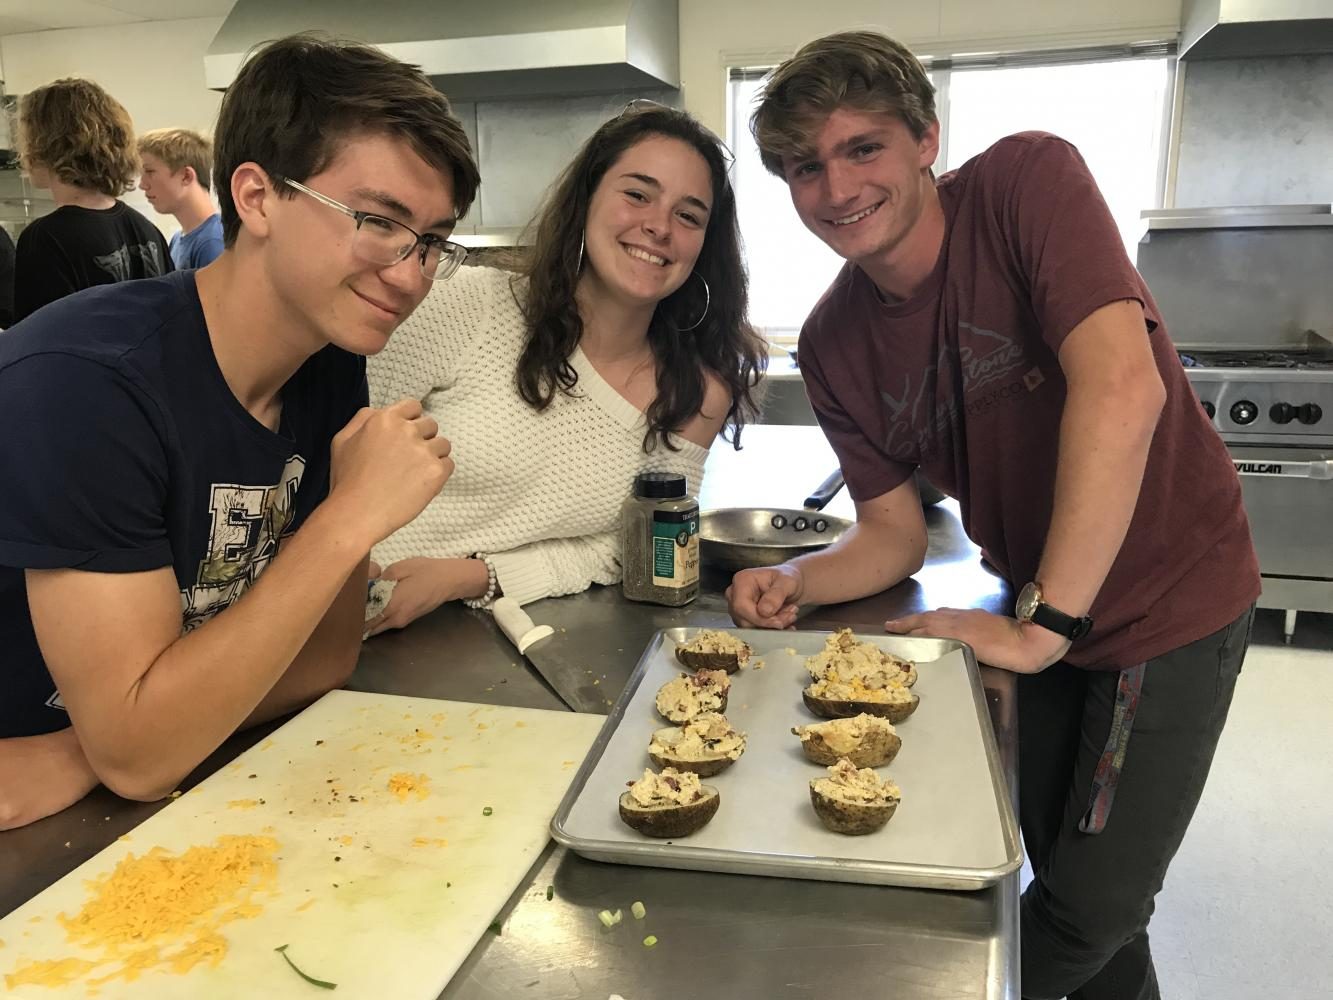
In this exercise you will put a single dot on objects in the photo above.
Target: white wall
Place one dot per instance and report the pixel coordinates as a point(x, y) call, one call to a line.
point(154, 68)
point(716, 34)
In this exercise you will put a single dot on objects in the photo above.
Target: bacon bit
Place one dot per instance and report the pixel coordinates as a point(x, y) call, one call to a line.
point(672, 783)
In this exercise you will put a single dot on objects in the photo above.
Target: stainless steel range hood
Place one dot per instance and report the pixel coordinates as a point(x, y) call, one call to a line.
point(475, 50)
point(1227, 29)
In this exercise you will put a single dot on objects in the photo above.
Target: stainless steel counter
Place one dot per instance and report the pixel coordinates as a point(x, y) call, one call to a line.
point(719, 935)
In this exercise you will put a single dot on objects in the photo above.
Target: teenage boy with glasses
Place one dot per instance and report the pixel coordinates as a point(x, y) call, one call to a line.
point(192, 478)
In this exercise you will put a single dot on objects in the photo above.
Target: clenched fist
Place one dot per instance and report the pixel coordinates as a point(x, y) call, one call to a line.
point(387, 465)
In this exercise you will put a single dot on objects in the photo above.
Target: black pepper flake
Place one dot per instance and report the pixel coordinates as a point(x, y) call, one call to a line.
point(254, 776)
point(319, 743)
point(337, 857)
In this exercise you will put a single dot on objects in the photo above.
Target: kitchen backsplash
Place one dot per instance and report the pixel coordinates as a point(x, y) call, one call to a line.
point(521, 146)
point(1256, 132)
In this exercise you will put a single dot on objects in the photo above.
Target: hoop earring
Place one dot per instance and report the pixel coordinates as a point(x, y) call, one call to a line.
point(708, 300)
point(579, 266)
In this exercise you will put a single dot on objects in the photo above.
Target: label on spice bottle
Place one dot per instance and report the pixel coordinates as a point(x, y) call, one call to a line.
point(675, 548)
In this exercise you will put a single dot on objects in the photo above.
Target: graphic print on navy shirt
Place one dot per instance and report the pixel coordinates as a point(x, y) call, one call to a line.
point(246, 525)
point(125, 451)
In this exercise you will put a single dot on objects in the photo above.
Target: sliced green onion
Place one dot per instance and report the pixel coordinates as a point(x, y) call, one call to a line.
point(638, 910)
point(309, 979)
point(650, 941)
point(615, 917)
point(550, 892)
point(486, 811)
point(606, 918)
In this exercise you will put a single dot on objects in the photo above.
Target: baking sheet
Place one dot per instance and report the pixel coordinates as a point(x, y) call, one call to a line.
point(955, 827)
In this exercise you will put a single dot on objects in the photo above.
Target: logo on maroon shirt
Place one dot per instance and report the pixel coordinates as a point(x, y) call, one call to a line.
point(990, 356)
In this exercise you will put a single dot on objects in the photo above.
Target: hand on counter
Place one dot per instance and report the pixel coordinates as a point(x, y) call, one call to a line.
point(40, 776)
point(765, 598)
point(422, 585)
point(997, 640)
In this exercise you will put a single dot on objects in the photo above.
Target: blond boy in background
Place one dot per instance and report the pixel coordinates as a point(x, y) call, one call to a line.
point(176, 181)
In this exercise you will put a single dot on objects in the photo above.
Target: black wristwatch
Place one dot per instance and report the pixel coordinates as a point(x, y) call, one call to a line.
point(1031, 608)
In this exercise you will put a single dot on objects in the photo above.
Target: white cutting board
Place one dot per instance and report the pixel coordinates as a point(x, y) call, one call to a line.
point(393, 927)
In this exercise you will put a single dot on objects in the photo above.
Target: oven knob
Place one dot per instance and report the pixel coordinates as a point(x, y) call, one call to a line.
point(1244, 412)
point(1309, 413)
point(1209, 409)
point(1282, 413)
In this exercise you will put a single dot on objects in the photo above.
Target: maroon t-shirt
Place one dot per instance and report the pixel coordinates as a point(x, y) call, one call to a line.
point(963, 380)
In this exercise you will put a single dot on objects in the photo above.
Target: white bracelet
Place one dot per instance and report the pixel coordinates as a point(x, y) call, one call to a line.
point(491, 582)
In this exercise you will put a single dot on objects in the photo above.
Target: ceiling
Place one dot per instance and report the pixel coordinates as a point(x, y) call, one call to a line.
point(18, 16)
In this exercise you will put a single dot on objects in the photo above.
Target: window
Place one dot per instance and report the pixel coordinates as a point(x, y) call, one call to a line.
point(789, 266)
point(1114, 109)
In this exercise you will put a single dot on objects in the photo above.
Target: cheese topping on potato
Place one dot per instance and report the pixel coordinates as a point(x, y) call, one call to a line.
point(847, 782)
point(707, 735)
point(880, 688)
point(715, 641)
point(844, 657)
point(690, 694)
point(671, 787)
point(844, 735)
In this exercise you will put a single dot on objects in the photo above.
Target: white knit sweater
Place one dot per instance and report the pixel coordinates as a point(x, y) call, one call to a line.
point(538, 493)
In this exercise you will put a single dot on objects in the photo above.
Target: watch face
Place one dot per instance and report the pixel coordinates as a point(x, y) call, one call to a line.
point(1028, 599)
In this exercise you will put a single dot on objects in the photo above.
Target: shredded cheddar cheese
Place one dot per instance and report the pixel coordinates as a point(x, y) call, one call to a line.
point(59, 972)
point(405, 785)
point(160, 910)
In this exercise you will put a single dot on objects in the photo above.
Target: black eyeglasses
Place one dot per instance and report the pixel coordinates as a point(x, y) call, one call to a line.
point(640, 104)
point(378, 240)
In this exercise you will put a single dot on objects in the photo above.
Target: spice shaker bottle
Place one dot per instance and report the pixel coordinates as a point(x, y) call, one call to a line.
point(659, 525)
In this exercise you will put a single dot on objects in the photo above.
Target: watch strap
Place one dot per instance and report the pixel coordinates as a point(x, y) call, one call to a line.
point(1060, 623)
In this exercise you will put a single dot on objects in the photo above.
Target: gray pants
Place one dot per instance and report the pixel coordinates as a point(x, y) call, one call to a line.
point(1085, 916)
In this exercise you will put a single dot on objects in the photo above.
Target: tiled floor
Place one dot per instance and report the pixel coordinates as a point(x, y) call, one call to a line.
point(1248, 902)
point(1246, 910)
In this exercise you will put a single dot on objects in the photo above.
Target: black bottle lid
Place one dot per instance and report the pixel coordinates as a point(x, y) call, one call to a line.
point(659, 485)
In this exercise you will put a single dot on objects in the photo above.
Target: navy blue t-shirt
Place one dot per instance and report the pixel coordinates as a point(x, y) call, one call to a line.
point(122, 449)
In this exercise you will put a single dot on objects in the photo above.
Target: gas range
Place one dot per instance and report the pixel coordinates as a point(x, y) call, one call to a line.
point(1266, 396)
point(1274, 410)
point(1246, 298)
